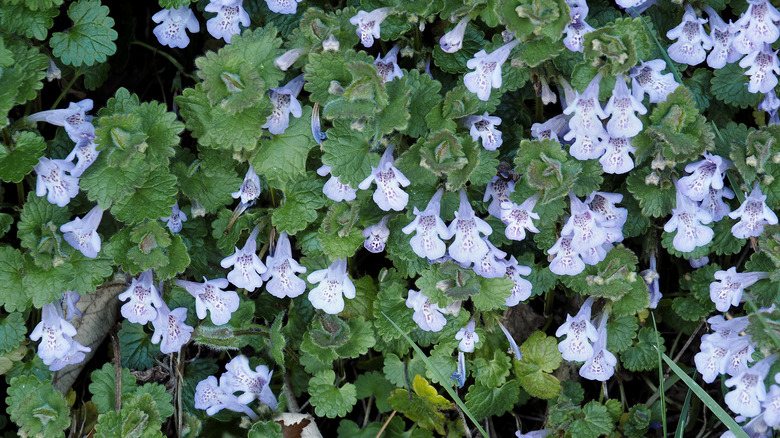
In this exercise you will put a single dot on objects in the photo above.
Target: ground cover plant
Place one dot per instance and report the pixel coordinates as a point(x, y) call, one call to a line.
point(395, 218)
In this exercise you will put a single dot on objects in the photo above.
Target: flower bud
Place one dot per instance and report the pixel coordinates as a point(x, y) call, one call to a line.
point(331, 44)
point(288, 58)
point(452, 41)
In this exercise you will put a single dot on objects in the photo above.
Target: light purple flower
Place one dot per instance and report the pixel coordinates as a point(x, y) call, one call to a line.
point(651, 277)
point(86, 152)
point(70, 299)
point(368, 24)
point(284, 61)
point(74, 119)
point(522, 288)
point(330, 44)
point(376, 236)
point(247, 266)
point(212, 398)
point(566, 261)
point(587, 146)
point(171, 32)
point(687, 219)
point(757, 23)
point(498, 190)
point(616, 158)
point(209, 296)
point(763, 68)
point(452, 41)
point(468, 246)
point(82, 233)
point(254, 384)
point(542, 433)
point(283, 6)
point(334, 285)
point(711, 359)
point(229, 14)
point(285, 102)
point(176, 219)
point(728, 291)
point(467, 337)
point(771, 406)
point(622, 107)
point(484, 127)
point(727, 328)
point(460, 374)
point(144, 300)
point(487, 70)
point(512, 344)
point(282, 269)
point(492, 264)
point(575, 32)
point(334, 189)
point(430, 229)
point(250, 188)
point(741, 351)
point(74, 355)
point(54, 181)
point(427, 315)
point(586, 111)
point(388, 68)
point(714, 205)
point(705, 174)
point(753, 214)
point(170, 328)
point(647, 78)
point(749, 390)
point(551, 129)
point(518, 218)
point(579, 332)
point(600, 366)
point(602, 205)
point(388, 195)
point(582, 228)
point(691, 39)
point(56, 334)
point(723, 36)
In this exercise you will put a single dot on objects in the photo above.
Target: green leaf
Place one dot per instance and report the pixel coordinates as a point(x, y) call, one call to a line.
point(540, 17)
point(278, 340)
point(266, 429)
point(329, 400)
point(148, 246)
point(540, 357)
point(621, 332)
point(302, 199)
point(643, 356)
point(655, 200)
point(23, 20)
point(12, 332)
point(538, 50)
point(617, 46)
point(424, 96)
point(103, 387)
point(11, 282)
point(612, 278)
point(595, 423)
point(18, 159)
point(424, 405)
point(396, 115)
point(20, 79)
point(209, 179)
point(36, 407)
point(283, 156)
point(391, 300)
point(546, 167)
point(493, 293)
point(485, 401)
point(347, 152)
point(730, 85)
point(90, 40)
point(492, 373)
point(153, 197)
point(229, 81)
point(638, 421)
point(374, 383)
point(79, 274)
point(95, 75)
point(138, 352)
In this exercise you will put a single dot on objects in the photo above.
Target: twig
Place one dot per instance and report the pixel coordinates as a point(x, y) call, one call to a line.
point(118, 368)
point(688, 342)
point(384, 426)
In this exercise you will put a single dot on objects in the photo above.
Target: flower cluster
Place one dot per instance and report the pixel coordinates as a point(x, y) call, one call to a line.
point(580, 332)
point(212, 396)
point(58, 348)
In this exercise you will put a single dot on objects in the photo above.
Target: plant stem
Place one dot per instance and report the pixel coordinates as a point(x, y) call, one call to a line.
point(76, 75)
point(170, 59)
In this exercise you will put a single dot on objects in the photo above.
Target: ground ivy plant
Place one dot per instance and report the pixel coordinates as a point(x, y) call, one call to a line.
point(389, 218)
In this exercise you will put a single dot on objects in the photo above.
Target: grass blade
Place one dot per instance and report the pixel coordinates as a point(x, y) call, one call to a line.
point(681, 423)
point(661, 389)
point(708, 401)
point(440, 376)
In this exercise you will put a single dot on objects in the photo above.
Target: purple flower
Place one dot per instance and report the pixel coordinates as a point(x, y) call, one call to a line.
point(542, 433)
point(254, 384)
point(723, 36)
point(586, 112)
point(616, 158)
point(86, 151)
point(687, 219)
point(54, 182)
point(285, 102)
point(376, 236)
point(714, 205)
point(82, 233)
point(600, 366)
point(518, 218)
point(566, 261)
point(283, 6)
point(582, 228)
point(452, 41)
point(587, 146)
point(334, 285)
point(763, 69)
point(144, 300)
point(749, 389)
point(753, 214)
point(71, 298)
point(705, 174)
point(579, 333)
point(492, 264)
point(334, 189)
point(711, 359)
point(728, 291)
point(250, 188)
point(512, 344)
point(487, 70)
point(690, 38)
point(551, 129)
point(602, 205)
point(460, 374)
point(170, 328)
point(622, 107)
point(430, 229)
point(647, 78)
point(468, 246)
point(176, 219)
point(522, 288)
point(757, 23)
point(171, 32)
point(427, 315)
point(467, 337)
point(247, 267)
point(484, 127)
point(368, 24)
point(651, 279)
point(499, 190)
point(575, 32)
point(56, 334)
point(741, 351)
point(74, 119)
point(388, 68)
point(771, 406)
point(282, 269)
point(284, 61)
point(212, 398)
point(229, 14)
point(210, 296)
point(388, 195)
point(74, 355)
point(330, 44)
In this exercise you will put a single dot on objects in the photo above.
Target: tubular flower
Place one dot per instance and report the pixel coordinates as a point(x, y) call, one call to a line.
point(487, 70)
point(467, 337)
point(575, 32)
point(54, 181)
point(86, 151)
point(484, 127)
point(728, 292)
point(757, 24)
point(518, 218)
point(749, 390)
point(600, 366)
point(498, 189)
point(376, 236)
point(551, 129)
point(723, 36)
point(430, 230)
point(763, 68)
point(647, 78)
point(171, 32)
point(452, 41)
point(82, 233)
point(144, 300)
point(170, 328)
point(74, 119)
point(250, 188)
point(247, 266)
point(567, 261)
point(468, 247)
point(388, 67)
point(492, 264)
point(212, 398)
point(283, 6)
point(229, 14)
point(254, 384)
point(334, 285)
point(705, 174)
point(512, 344)
point(176, 220)
point(579, 332)
point(282, 269)
point(56, 334)
point(687, 219)
point(753, 214)
point(388, 195)
point(368, 24)
point(334, 189)
point(622, 107)
point(582, 227)
point(210, 296)
point(691, 39)
point(522, 288)
point(616, 158)
point(285, 103)
point(427, 315)
point(586, 111)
